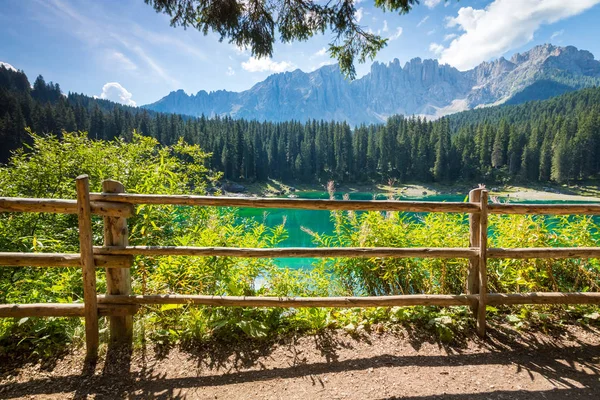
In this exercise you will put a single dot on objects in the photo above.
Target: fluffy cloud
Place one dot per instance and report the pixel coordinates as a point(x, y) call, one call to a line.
point(436, 48)
point(230, 71)
point(266, 65)
point(450, 36)
point(432, 3)
point(397, 34)
point(320, 53)
point(7, 66)
point(113, 91)
point(502, 26)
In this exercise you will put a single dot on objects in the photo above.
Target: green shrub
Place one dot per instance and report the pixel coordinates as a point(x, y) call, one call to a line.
point(48, 169)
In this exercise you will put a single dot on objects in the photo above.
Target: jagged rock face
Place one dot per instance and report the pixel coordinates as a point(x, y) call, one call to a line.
point(500, 80)
point(421, 87)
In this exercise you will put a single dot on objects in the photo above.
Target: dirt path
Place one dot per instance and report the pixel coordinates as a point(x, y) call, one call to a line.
point(508, 365)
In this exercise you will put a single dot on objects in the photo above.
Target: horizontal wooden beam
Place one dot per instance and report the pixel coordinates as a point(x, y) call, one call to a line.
point(549, 209)
point(543, 298)
point(374, 301)
point(545, 252)
point(63, 206)
point(122, 257)
point(121, 305)
point(286, 302)
point(41, 310)
point(291, 252)
point(61, 260)
point(306, 204)
point(62, 310)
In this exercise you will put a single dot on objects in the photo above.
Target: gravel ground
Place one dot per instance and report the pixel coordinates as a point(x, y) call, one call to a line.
point(404, 365)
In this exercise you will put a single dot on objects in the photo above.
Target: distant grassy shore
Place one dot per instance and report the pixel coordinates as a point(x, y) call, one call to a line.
point(589, 191)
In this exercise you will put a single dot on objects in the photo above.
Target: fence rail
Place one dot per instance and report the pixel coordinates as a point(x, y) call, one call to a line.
point(61, 260)
point(292, 252)
point(305, 204)
point(59, 206)
point(116, 256)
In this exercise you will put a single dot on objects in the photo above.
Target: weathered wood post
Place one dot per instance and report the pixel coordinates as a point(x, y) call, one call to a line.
point(483, 242)
point(118, 280)
point(87, 265)
point(474, 222)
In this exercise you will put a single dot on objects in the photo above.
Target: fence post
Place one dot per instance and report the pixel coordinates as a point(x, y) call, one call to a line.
point(483, 242)
point(118, 280)
point(474, 221)
point(87, 265)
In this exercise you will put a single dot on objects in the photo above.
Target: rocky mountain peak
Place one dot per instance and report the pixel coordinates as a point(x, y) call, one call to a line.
point(422, 87)
point(492, 69)
point(536, 53)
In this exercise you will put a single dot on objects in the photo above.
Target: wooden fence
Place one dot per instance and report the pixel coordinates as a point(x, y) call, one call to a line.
point(116, 256)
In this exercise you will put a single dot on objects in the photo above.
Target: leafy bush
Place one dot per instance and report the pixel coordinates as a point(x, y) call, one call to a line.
point(386, 276)
point(48, 169)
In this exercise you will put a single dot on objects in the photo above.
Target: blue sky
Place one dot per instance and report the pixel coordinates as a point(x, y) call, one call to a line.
point(125, 51)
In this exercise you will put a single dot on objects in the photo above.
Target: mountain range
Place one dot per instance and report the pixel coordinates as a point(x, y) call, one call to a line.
point(420, 87)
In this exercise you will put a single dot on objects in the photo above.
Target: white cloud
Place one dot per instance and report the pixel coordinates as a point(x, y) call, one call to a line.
point(230, 71)
point(397, 34)
point(113, 91)
point(503, 26)
point(266, 65)
point(421, 22)
point(557, 34)
point(385, 26)
point(122, 61)
point(436, 48)
point(450, 36)
point(431, 32)
point(432, 3)
point(7, 66)
point(320, 53)
point(329, 62)
point(359, 14)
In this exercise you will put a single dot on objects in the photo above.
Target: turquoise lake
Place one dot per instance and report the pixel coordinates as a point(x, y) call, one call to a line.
point(319, 221)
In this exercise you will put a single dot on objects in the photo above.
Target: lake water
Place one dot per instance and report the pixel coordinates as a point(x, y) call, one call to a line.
point(319, 221)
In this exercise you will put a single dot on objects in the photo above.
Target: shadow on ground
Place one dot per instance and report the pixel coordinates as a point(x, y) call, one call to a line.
point(229, 364)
